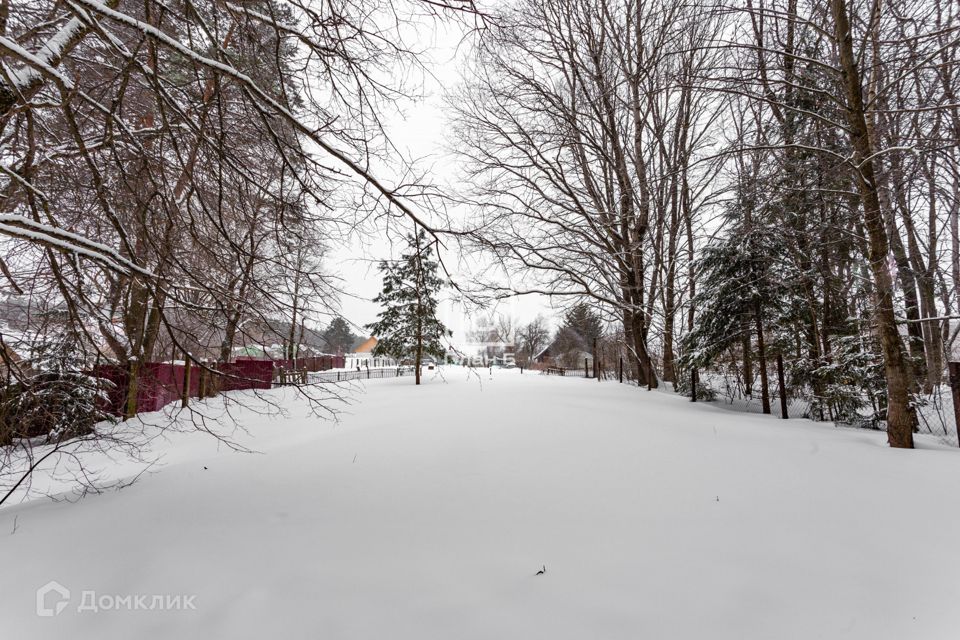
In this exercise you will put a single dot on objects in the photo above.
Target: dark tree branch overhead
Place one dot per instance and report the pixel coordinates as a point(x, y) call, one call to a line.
point(174, 174)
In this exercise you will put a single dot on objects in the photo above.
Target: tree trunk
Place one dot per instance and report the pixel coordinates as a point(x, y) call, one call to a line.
point(646, 375)
point(133, 378)
point(691, 275)
point(229, 335)
point(762, 357)
point(899, 412)
point(292, 338)
point(634, 331)
point(746, 347)
point(906, 274)
point(418, 359)
point(932, 333)
point(669, 368)
point(669, 308)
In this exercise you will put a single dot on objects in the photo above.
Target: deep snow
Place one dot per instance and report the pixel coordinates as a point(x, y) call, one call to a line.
point(426, 513)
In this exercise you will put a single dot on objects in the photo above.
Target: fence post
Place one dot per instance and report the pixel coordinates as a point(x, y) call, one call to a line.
point(783, 387)
point(213, 379)
point(596, 361)
point(954, 368)
point(209, 380)
point(586, 369)
point(693, 384)
point(621, 369)
point(185, 397)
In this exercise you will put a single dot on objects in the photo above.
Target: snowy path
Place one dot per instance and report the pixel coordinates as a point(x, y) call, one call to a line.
point(427, 511)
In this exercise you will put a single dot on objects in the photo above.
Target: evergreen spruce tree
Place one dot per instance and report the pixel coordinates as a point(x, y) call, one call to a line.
point(586, 322)
point(744, 288)
point(338, 337)
point(580, 330)
point(782, 268)
point(827, 310)
point(408, 326)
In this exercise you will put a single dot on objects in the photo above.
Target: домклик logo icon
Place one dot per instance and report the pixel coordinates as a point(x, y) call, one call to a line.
point(52, 599)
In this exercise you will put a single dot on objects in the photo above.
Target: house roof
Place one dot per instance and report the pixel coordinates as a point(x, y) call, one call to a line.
point(257, 352)
point(367, 346)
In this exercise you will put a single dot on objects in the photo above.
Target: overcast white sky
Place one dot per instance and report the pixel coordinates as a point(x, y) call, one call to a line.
point(420, 132)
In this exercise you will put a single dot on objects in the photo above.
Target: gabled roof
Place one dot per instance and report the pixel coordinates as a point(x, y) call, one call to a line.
point(543, 351)
point(368, 345)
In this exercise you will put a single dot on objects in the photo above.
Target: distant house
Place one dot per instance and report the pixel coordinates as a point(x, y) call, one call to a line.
point(251, 353)
point(362, 356)
point(544, 356)
point(566, 350)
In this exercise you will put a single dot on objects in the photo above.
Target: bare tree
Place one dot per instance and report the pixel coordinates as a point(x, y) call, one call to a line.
point(532, 338)
point(583, 129)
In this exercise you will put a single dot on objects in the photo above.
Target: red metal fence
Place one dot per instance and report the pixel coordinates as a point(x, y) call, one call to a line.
point(315, 363)
point(160, 383)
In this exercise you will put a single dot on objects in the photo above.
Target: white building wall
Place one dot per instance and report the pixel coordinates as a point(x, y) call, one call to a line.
point(367, 361)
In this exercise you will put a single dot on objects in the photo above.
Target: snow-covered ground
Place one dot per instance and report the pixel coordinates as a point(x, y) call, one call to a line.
point(426, 513)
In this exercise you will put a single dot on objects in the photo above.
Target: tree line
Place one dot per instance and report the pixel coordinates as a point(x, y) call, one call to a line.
point(173, 174)
point(725, 182)
point(730, 182)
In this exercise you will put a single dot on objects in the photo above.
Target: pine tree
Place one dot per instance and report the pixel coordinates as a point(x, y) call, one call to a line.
point(586, 322)
point(580, 330)
point(408, 325)
point(338, 337)
point(744, 288)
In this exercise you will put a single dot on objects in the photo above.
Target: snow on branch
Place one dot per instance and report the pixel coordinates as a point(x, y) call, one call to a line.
point(256, 91)
point(68, 242)
point(29, 78)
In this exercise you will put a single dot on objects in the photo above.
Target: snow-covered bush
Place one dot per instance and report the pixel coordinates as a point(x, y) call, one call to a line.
point(53, 399)
point(52, 406)
point(849, 387)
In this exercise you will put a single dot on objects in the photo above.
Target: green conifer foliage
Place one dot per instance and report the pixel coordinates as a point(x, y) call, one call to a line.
point(408, 326)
